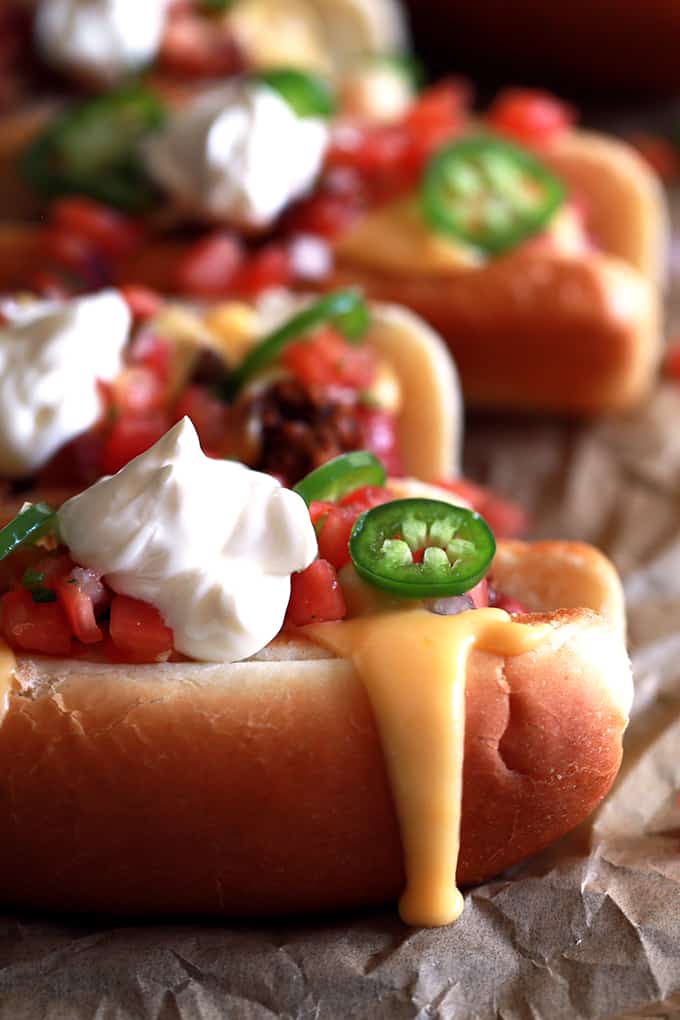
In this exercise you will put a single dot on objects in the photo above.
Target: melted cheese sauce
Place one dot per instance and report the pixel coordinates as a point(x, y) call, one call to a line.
point(413, 665)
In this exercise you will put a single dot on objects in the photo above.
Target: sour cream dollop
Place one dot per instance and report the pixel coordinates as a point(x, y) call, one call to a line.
point(238, 154)
point(104, 39)
point(51, 357)
point(210, 543)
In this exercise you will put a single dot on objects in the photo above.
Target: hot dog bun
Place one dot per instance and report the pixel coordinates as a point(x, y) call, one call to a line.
point(538, 331)
point(260, 788)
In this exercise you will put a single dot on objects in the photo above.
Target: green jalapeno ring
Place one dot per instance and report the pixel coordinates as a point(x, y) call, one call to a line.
point(343, 474)
point(27, 527)
point(488, 193)
point(383, 540)
point(307, 94)
point(92, 149)
point(345, 309)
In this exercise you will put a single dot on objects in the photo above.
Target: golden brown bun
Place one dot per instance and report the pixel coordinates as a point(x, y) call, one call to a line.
point(625, 204)
point(259, 787)
point(538, 331)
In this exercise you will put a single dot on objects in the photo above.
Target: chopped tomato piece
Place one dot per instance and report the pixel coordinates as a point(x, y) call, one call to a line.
point(324, 215)
point(326, 359)
point(34, 626)
point(208, 267)
point(137, 391)
point(315, 595)
point(131, 436)
point(334, 535)
point(142, 301)
point(480, 594)
point(78, 462)
point(659, 152)
point(509, 604)
point(153, 353)
point(318, 509)
point(79, 610)
point(107, 230)
point(71, 251)
point(505, 517)
point(137, 630)
point(529, 117)
point(52, 568)
point(269, 267)
point(366, 497)
point(197, 46)
point(209, 415)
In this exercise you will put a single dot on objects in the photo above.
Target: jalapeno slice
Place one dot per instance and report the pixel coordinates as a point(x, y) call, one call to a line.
point(343, 474)
point(93, 149)
point(488, 193)
point(457, 547)
point(344, 309)
point(307, 94)
point(27, 527)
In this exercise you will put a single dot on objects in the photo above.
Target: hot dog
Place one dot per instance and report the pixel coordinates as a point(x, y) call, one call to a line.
point(277, 784)
point(555, 306)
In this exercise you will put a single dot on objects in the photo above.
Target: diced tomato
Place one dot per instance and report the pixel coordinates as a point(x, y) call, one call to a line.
point(319, 509)
point(79, 610)
point(142, 301)
point(208, 267)
point(509, 604)
point(369, 149)
point(324, 215)
point(315, 595)
point(130, 436)
point(137, 391)
point(198, 47)
point(108, 231)
point(530, 117)
point(71, 251)
point(672, 359)
point(49, 284)
point(480, 594)
point(78, 462)
point(366, 497)
point(505, 517)
point(334, 535)
point(326, 359)
point(34, 626)
point(53, 568)
point(209, 415)
point(137, 630)
point(659, 153)
point(269, 267)
point(152, 352)
point(379, 435)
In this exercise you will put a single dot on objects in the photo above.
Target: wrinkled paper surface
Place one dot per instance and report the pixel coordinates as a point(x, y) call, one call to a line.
point(590, 930)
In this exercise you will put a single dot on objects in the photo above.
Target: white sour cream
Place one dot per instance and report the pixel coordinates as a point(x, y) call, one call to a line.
point(210, 543)
point(51, 358)
point(238, 154)
point(104, 39)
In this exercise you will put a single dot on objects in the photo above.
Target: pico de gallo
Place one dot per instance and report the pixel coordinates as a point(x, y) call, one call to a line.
point(475, 182)
point(375, 551)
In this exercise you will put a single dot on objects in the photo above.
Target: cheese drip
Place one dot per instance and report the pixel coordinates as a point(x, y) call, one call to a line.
point(413, 664)
point(8, 664)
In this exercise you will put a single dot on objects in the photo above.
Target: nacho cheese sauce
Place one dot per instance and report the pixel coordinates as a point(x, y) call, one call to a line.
point(413, 665)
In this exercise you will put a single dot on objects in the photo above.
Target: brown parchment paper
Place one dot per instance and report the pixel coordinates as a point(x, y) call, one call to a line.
point(590, 930)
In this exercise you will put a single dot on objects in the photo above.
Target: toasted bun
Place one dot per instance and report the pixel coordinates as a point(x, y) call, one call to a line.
point(538, 331)
point(260, 788)
point(625, 205)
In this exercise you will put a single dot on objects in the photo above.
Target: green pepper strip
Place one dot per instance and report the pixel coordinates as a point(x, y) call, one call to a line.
point(489, 193)
point(307, 94)
point(341, 475)
point(458, 548)
point(93, 149)
point(27, 527)
point(345, 309)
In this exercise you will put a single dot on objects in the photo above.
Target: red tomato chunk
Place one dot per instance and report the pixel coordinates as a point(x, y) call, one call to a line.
point(315, 596)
